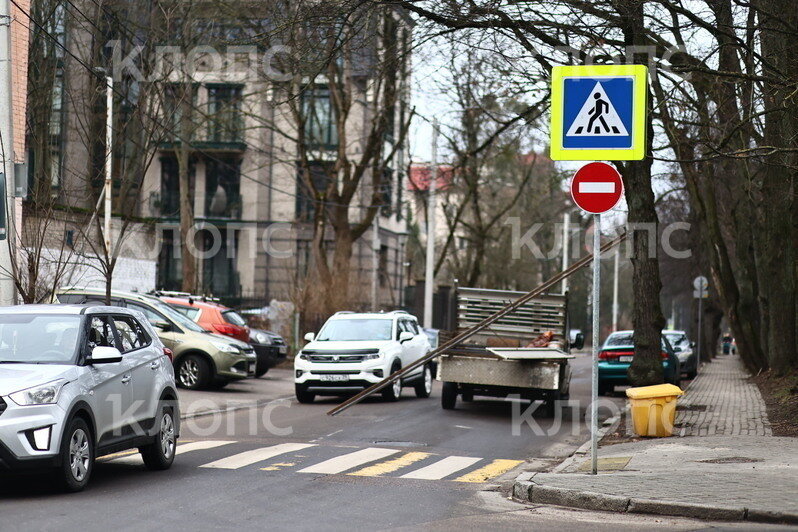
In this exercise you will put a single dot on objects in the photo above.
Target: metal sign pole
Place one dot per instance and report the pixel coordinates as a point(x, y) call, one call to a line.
point(596, 335)
point(700, 338)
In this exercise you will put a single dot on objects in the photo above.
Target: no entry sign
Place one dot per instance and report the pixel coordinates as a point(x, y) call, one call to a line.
point(596, 188)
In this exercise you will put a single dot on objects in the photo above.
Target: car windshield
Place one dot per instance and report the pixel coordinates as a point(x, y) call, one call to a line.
point(353, 330)
point(620, 340)
point(675, 338)
point(175, 316)
point(231, 316)
point(38, 339)
point(626, 339)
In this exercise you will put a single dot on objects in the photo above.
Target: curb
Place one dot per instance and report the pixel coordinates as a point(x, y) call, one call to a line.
point(528, 491)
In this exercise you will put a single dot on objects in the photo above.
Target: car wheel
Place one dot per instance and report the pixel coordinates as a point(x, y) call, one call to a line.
point(393, 391)
point(193, 372)
point(605, 389)
point(260, 372)
point(77, 455)
point(160, 454)
point(303, 395)
point(449, 395)
point(424, 386)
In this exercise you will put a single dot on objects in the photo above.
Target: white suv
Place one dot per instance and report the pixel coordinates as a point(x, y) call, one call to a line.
point(79, 382)
point(353, 351)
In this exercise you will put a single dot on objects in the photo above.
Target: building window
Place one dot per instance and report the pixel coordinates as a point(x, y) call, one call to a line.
point(175, 96)
point(169, 201)
point(223, 188)
point(319, 115)
point(224, 113)
point(386, 192)
point(305, 200)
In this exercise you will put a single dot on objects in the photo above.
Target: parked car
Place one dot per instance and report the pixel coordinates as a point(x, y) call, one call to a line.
point(685, 351)
point(64, 370)
point(211, 316)
point(616, 356)
point(270, 349)
point(353, 351)
point(201, 359)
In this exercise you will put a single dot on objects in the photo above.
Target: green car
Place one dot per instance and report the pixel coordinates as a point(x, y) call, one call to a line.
point(616, 356)
point(201, 359)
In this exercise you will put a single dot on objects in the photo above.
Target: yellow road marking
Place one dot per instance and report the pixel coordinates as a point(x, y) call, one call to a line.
point(390, 466)
point(277, 467)
point(493, 469)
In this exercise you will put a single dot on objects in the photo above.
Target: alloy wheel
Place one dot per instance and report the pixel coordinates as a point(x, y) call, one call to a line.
point(428, 380)
point(189, 372)
point(167, 435)
point(79, 455)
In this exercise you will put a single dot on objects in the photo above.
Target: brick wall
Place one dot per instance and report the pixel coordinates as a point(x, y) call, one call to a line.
point(19, 75)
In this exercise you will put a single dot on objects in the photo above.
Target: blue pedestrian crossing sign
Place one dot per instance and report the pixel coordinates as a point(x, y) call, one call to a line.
point(598, 112)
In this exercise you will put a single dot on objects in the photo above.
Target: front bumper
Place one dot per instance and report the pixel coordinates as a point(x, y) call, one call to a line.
point(235, 366)
point(17, 423)
point(270, 355)
point(338, 378)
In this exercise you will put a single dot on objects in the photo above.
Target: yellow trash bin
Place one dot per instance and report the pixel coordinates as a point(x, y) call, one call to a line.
point(654, 409)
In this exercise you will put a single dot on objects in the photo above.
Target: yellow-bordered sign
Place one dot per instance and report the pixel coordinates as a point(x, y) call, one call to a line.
point(598, 112)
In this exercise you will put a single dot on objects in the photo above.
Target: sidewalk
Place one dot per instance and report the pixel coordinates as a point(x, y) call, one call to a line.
point(723, 463)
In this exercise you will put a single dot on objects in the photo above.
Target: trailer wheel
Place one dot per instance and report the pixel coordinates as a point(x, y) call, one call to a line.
point(449, 395)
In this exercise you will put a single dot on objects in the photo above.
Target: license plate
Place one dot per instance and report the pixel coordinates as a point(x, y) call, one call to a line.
point(334, 378)
point(283, 350)
point(625, 358)
point(252, 367)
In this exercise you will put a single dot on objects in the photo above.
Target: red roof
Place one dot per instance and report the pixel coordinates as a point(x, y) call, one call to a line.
point(421, 174)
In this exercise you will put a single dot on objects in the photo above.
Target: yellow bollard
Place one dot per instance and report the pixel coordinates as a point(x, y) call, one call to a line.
point(654, 409)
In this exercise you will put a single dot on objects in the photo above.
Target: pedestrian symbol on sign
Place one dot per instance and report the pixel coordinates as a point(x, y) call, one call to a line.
point(597, 117)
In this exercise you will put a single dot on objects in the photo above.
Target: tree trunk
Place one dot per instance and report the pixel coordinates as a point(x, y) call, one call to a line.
point(188, 260)
point(777, 266)
point(647, 318)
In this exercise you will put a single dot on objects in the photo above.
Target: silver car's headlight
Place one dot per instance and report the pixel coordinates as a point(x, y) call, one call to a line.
point(225, 347)
point(263, 339)
point(44, 394)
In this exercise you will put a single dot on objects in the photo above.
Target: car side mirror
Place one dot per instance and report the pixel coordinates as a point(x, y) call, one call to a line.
point(103, 354)
point(579, 341)
point(404, 336)
point(309, 337)
point(161, 325)
point(692, 345)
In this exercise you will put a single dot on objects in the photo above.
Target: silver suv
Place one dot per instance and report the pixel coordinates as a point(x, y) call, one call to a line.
point(79, 382)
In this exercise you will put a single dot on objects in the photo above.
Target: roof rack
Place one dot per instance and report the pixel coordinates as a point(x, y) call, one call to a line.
point(343, 312)
point(187, 295)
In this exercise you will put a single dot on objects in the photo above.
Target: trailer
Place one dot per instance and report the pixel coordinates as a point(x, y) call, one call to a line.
point(496, 361)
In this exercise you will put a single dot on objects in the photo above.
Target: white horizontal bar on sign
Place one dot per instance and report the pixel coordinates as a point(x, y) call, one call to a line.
point(342, 463)
point(596, 187)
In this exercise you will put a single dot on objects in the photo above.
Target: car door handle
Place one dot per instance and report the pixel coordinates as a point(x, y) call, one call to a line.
point(126, 379)
point(155, 365)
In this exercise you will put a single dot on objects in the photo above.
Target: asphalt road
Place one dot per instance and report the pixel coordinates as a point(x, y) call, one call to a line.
point(282, 465)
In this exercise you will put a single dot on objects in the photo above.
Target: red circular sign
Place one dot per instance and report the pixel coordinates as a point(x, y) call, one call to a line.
point(596, 187)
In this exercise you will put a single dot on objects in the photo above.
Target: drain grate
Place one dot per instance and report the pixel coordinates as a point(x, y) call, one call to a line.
point(399, 443)
point(693, 408)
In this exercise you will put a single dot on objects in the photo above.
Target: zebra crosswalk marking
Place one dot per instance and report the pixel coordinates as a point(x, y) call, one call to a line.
point(442, 468)
point(383, 468)
point(348, 461)
point(254, 456)
point(492, 470)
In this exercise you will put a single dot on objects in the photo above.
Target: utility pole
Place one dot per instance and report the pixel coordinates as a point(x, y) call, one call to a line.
point(615, 289)
point(566, 233)
point(7, 291)
point(429, 277)
point(375, 260)
point(109, 155)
